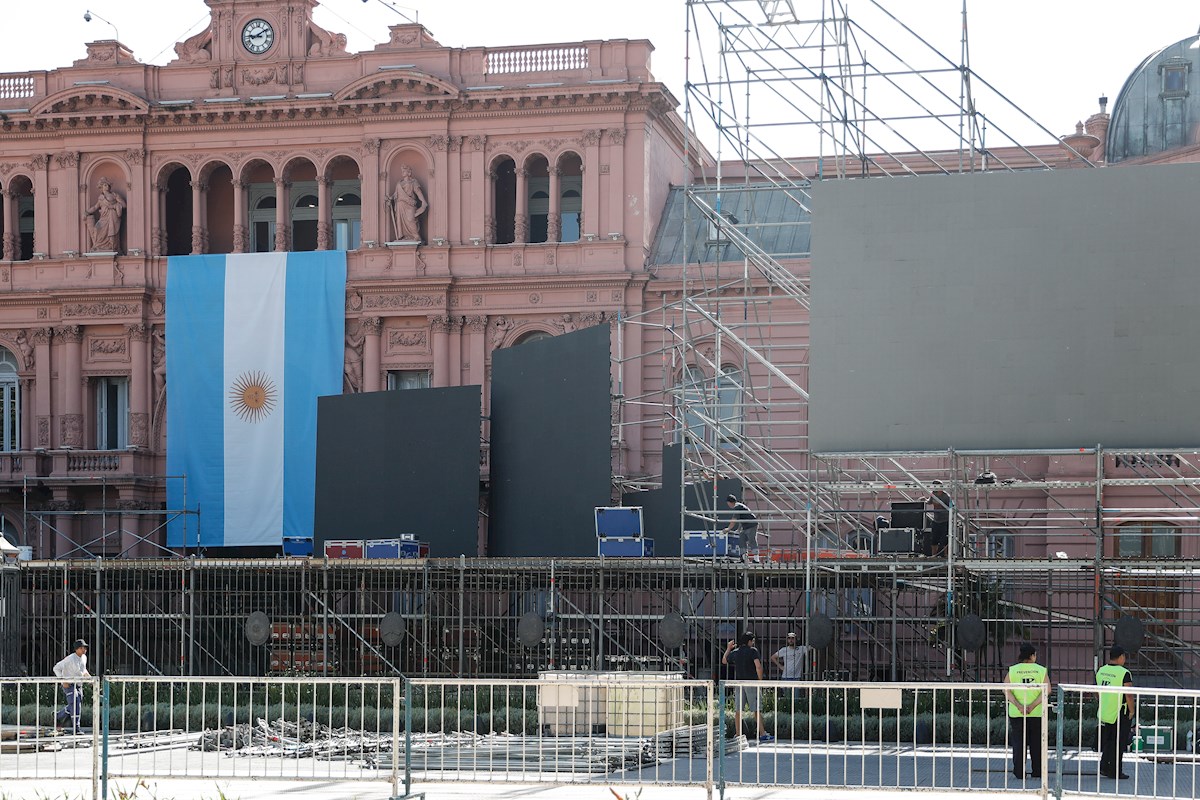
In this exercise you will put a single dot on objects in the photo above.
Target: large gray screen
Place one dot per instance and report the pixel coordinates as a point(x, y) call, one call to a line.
point(1031, 310)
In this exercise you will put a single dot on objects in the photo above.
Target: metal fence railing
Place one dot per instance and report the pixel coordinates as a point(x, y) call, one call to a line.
point(943, 736)
point(280, 728)
point(40, 740)
point(1154, 747)
point(618, 728)
point(623, 729)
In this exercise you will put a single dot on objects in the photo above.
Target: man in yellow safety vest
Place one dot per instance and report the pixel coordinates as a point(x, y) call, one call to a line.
point(1026, 707)
point(1116, 713)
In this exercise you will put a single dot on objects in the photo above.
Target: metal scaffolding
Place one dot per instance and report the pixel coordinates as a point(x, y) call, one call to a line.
point(728, 343)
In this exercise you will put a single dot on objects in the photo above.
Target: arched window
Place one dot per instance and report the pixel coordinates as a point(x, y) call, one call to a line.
point(304, 220)
point(571, 209)
point(262, 218)
point(347, 219)
point(25, 226)
point(505, 201)
point(689, 406)
point(539, 213)
point(532, 336)
point(731, 408)
point(10, 402)
point(1150, 539)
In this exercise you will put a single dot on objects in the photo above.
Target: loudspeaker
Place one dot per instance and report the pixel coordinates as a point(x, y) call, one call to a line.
point(909, 514)
point(897, 540)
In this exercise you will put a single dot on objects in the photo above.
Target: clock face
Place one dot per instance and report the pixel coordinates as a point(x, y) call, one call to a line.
point(258, 36)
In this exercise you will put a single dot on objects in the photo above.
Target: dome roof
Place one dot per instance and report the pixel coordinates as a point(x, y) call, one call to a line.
point(1158, 108)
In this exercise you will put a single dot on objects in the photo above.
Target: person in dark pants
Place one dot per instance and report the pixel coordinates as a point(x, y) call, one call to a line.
point(743, 522)
point(70, 669)
point(1115, 713)
point(747, 666)
point(1026, 708)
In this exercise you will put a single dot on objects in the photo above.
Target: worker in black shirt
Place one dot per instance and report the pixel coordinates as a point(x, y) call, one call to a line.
point(744, 523)
point(747, 666)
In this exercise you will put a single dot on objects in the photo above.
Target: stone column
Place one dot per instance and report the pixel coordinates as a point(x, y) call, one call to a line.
point(70, 382)
point(158, 235)
point(480, 202)
point(60, 533)
point(455, 361)
point(521, 223)
point(489, 205)
point(283, 216)
point(554, 221)
point(27, 414)
point(241, 227)
point(590, 222)
point(324, 229)
point(616, 183)
point(372, 375)
point(137, 214)
point(139, 385)
point(374, 225)
point(12, 240)
point(41, 205)
point(438, 215)
point(42, 407)
point(199, 234)
point(476, 331)
point(457, 216)
point(440, 327)
point(76, 202)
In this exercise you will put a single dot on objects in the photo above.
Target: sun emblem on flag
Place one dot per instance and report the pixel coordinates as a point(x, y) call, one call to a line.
point(252, 396)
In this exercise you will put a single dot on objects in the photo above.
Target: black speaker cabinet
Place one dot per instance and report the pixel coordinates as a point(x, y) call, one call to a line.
point(909, 514)
point(897, 540)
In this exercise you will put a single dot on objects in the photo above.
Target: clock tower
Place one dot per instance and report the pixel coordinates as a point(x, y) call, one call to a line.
point(259, 31)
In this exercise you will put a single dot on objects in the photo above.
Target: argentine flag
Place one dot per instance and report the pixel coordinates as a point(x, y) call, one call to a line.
point(252, 341)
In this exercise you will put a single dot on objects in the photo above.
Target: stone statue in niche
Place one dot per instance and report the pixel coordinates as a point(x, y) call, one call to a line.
point(407, 205)
point(104, 234)
point(352, 368)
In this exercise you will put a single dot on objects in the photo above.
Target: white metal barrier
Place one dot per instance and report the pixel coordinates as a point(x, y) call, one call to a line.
point(39, 740)
point(572, 727)
point(282, 728)
point(1157, 746)
point(943, 736)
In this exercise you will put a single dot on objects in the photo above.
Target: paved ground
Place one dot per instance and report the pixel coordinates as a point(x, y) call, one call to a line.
point(874, 774)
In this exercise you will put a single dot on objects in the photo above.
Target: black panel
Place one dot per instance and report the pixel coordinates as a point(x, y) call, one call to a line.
point(550, 460)
point(909, 514)
point(400, 462)
point(660, 507)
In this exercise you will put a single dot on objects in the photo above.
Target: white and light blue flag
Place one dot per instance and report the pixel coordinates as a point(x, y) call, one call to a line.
point(252, 341)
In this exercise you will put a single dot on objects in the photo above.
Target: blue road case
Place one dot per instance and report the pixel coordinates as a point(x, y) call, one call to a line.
point(705, 544)
point(618, 521)
point(626, 547)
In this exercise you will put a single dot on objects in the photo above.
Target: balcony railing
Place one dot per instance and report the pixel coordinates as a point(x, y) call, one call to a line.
point(536, 59)
point(17, 87)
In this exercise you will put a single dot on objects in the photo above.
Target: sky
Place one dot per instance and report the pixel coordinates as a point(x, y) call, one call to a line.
point(1052, 58)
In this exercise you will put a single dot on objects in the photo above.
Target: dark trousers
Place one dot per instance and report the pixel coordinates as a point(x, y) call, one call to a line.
point(1114, 738)
point(1025, 733)
point(73, 695)
point(748, 536)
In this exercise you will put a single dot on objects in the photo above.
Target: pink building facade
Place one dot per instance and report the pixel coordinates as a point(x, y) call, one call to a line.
point(540, 169)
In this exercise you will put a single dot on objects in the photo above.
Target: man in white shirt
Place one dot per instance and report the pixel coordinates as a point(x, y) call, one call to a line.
point(70, 668)
point(791, 659)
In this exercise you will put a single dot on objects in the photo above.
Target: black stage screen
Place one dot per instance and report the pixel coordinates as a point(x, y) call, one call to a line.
point(550, 462)
point(399, 462)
